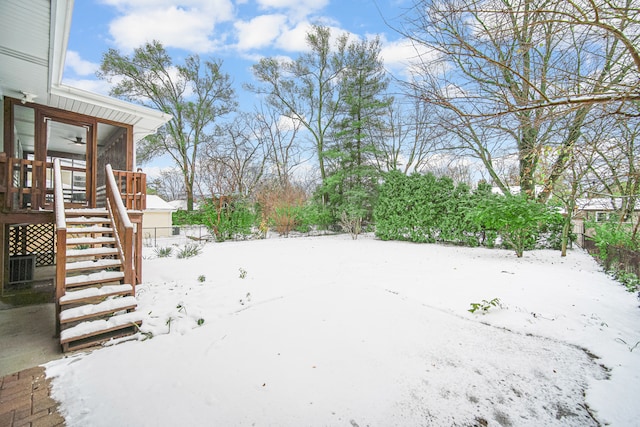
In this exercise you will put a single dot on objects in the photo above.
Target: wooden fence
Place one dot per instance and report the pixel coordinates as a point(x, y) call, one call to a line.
point(618, 258)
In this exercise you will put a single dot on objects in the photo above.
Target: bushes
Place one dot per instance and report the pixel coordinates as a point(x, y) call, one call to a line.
point(424, 208)
point(618, 252)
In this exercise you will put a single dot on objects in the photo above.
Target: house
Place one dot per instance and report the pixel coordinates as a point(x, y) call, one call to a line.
point(601, 209)
point(71, 200)
point(157, 218)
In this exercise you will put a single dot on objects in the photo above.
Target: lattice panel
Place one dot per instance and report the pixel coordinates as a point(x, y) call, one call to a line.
point(33, 239)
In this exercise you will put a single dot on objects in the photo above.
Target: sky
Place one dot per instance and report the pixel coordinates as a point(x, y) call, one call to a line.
point(237, 32)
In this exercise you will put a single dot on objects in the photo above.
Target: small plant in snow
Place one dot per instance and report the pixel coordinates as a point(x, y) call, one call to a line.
point(189, 250)
point(169, 320)
point(202, 278)
point(243, 273)
point(629, 280)
point(631, 348)
point(485, 305)
point(200, 321)
point(163, 252)
point(181, 308)
point(147, 335)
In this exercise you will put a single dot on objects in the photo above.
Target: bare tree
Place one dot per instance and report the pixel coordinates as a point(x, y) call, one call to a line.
point(408, 138)
point(305, 90)
point(169, 185)
point(616, 163)
point(510, 78)
point(280, 136)
point(236, 155)
point(195, 93)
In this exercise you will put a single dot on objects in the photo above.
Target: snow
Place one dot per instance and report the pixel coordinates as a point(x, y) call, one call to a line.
point(93, 326)
point(93, 277)
point(325, 331)
point(156, 203)
point(92, 229)
point(89, 240)
point(71, 296)
point(91, 251)
point(98, 263)
point(113, 304)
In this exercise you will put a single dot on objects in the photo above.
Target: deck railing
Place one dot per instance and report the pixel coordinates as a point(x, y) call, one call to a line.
point(29, 184)
point(24, 183)
point(132, 187)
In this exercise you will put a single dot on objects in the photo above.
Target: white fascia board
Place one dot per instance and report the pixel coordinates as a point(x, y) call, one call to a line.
point(146, 122)
point(61, 12)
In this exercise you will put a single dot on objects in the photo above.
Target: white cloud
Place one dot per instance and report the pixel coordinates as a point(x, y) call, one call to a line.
point(259, 32)
point(80, 66)
point(405, 57)
point(294, 39)
point(188, 26)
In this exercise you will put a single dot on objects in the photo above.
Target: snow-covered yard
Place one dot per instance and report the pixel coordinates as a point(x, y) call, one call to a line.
point(326, 331)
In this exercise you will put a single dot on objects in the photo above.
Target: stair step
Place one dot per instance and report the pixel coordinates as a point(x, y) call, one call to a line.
point(91, 252)
point(85, 212)
point(97, 264)
point(88, 230)
point(90, 279)
point(82, 295)
point(94, 328)
point(88, 220)
point(95, 310)
point(91, 241)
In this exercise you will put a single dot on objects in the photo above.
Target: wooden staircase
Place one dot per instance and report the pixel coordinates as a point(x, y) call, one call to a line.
point(95, 277)
point(97, 305)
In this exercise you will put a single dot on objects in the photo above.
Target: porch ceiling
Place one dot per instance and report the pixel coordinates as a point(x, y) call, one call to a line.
point(33, 43)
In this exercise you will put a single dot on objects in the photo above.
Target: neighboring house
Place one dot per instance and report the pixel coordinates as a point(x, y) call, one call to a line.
point(181, 205)
point(69, 193)
point(156, 218)
point(597, 210)
point(601, 209)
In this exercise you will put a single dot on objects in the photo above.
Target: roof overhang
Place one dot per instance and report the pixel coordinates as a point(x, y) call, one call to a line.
point(33, 43)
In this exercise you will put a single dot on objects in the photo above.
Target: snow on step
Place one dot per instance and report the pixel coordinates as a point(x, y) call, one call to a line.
point(89, 240)
point(110, 305)
point(87, 220)
point(97, 326)
point(92, 229)
point(100, 276)
point(99, 263)
point(71, 296)
point(85, 212)
point(91, 252)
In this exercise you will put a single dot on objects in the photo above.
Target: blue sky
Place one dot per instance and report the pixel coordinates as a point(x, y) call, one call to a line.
point(237, 32)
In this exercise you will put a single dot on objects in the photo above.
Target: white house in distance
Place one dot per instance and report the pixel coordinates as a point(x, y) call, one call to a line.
point(156, 218)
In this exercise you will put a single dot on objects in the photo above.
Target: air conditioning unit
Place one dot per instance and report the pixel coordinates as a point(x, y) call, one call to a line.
point(22, 268)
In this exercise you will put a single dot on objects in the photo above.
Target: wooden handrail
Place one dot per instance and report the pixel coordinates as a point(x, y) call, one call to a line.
point(61, 239)
point(122, 226)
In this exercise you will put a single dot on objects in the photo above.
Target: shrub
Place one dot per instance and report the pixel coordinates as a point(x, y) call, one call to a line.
point(281, 206)
point(189, 250)
point(228, 219)
point(517, 219)
point(163, 252)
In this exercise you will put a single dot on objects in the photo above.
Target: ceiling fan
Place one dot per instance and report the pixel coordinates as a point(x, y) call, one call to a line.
point(77, 140)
